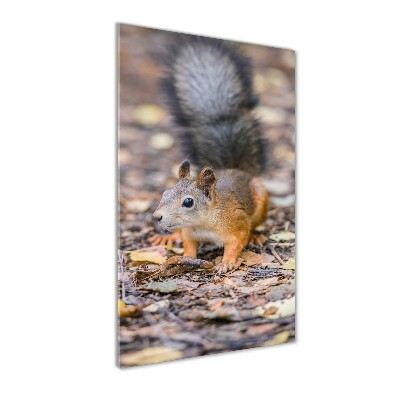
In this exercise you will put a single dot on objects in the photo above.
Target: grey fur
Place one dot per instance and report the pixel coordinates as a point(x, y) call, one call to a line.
point(209, 91)
point(207, 83)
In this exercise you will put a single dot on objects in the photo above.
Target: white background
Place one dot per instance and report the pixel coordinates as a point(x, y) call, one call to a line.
point(57, 162)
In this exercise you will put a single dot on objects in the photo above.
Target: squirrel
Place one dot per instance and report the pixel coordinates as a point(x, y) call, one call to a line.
point(208, 87)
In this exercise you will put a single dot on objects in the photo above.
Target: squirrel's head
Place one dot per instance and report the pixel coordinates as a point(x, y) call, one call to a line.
point(185, 203)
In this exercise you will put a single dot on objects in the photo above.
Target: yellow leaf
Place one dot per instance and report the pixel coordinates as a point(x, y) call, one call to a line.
point(127, 310)
point(154, 254)
point(151, 355)
point(279, 338)
point(289, 264)
point(148, 114)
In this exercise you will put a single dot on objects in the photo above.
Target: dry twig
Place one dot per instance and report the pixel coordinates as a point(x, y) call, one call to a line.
point(276, 255)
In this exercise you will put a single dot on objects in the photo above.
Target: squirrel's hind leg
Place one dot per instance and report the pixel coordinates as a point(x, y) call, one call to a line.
point(257, 238)
point(260, 197)
point(166, 240)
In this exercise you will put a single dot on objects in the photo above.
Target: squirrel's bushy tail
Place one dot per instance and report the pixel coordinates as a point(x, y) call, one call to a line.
point(208, 84)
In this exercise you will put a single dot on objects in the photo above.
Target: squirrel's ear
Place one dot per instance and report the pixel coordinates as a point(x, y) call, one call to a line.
point(184, 169)
point(206, 181)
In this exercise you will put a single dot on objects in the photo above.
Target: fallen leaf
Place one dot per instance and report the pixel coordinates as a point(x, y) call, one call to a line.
point(151, 355)
point(155, 307)
point(148, 114)
point(162, 287)
point(279, 338)
point(283, 236)
point(250, 258)
point(154, 254)
point(127, 310)
point(289, 264)
point(162, 141)
point(284, 308)
point(270, 281)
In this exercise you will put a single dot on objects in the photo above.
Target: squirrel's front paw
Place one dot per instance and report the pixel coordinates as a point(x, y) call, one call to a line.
point(166, 240)
point(224, 266)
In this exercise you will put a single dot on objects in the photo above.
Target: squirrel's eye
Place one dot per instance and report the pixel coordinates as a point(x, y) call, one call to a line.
point(188, 202)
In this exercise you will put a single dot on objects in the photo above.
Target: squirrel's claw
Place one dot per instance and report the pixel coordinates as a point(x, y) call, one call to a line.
point(224, 267)
point(166, 240)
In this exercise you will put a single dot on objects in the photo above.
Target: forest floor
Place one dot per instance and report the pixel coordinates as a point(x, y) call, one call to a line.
point(189, 311)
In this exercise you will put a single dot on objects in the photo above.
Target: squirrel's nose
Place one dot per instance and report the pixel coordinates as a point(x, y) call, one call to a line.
point(157, 216)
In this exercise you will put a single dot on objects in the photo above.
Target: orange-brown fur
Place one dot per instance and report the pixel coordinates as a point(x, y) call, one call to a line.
point(236, 204)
